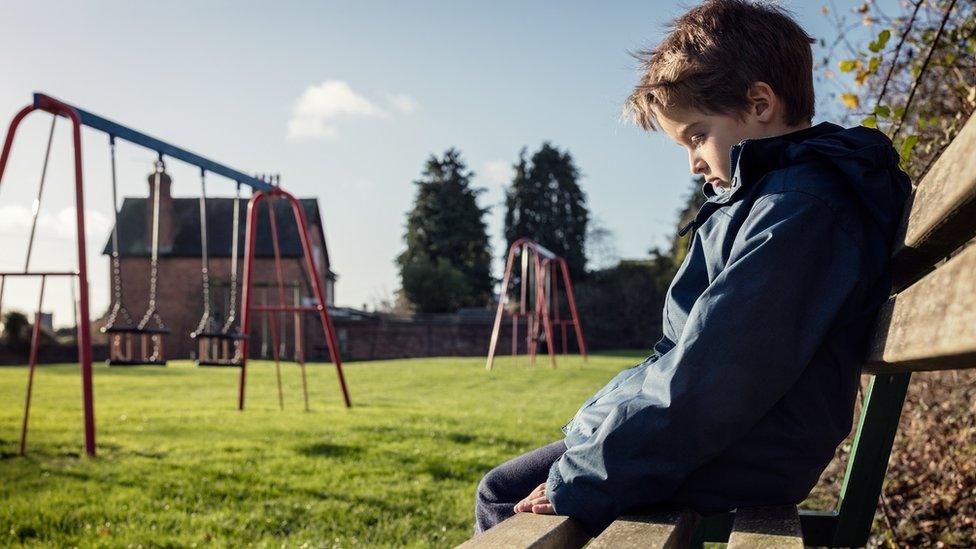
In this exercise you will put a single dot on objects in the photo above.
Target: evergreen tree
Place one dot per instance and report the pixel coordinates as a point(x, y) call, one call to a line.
point(545, 203)
point(16, 331)
point(447, 263)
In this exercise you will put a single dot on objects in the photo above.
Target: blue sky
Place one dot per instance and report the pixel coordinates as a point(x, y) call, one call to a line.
point(346, 100)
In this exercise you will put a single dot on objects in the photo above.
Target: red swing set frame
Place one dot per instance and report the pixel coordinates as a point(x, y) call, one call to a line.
point(83, 318)
point(58, 108)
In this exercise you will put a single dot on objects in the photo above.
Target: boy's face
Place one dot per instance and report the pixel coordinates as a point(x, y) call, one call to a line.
point(708, 138)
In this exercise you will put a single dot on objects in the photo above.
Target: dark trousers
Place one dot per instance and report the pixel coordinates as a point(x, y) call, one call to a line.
point(510, 482)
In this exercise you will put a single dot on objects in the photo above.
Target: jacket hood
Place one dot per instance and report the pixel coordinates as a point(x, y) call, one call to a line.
point(864, 156)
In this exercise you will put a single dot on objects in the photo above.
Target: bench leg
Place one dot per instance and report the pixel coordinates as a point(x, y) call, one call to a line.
point(868, 461)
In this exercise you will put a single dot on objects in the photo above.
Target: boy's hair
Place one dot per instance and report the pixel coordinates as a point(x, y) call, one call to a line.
point(712, 55)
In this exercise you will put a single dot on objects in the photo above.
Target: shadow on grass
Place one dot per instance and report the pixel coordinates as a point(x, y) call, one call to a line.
point(150, 454)
point(72, 474)
point(326, 449)
point(387, 505)
point(400, 433)
point(459, 471)
point(41, 454)
point(510, 444)
point(461, 438)
point(24, 533)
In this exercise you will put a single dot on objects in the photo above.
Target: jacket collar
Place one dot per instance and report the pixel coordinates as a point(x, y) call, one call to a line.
point(765, 154)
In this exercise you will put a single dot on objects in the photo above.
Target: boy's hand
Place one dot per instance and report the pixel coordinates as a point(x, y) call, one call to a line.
point(536, 502)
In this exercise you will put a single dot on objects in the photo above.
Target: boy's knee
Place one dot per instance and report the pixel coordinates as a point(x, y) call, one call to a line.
point(489, 488)
point(484, 493)
point(492, 501)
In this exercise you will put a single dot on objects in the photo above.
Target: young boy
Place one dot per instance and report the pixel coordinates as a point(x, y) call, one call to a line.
point(766, 323)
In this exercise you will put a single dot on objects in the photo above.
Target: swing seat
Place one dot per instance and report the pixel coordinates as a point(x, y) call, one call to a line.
point(221, 336)
point(210, 357)
point(134, 330)
point(115, 362)
point(126, 354)
point(219, 363)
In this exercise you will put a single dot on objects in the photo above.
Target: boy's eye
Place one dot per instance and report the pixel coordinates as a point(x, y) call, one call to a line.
point(697, 139)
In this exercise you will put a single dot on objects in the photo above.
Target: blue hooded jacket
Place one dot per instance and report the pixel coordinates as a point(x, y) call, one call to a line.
point(766, 325)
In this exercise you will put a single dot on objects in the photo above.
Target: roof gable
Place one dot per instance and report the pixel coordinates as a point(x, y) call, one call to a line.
point(134, 242)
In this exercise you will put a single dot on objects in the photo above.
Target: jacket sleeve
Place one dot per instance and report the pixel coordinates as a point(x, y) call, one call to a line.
point(747, 339)
point(624, 374)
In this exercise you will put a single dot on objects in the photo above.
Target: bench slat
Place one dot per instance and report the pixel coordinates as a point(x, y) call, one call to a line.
point(930, 325)
point(531, 530)
point(766, 527)
point(943, 209)
point(658, 531)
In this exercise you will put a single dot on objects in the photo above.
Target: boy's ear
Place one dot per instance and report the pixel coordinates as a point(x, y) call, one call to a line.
point(763, 102)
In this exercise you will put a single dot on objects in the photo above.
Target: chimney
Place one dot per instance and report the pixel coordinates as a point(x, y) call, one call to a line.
point(166, 214)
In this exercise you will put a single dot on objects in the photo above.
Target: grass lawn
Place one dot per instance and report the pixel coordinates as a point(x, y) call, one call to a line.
point(178, 465)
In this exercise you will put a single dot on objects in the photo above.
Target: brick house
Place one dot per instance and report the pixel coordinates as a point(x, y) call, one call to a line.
point(180, 297)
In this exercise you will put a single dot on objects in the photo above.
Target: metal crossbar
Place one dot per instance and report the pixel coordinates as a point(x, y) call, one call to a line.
point(48, 103)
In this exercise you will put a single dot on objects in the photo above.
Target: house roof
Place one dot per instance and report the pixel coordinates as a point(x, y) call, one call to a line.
point(134, 242)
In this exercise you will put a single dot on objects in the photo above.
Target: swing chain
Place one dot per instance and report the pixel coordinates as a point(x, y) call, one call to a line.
point(151, 312)
point(117, 306)
point(235, 237)
point(206, 321)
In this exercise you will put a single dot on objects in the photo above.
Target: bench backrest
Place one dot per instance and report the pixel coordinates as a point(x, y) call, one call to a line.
point(928, 324)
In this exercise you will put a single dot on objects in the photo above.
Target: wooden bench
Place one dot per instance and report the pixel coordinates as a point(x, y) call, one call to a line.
point(928, 324)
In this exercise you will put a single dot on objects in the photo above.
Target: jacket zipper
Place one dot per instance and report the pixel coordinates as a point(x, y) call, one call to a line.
point(683, 230)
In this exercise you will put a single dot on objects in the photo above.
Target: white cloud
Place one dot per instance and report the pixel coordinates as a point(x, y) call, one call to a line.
point(97, 224)
point(17, 219)
point(498, 172)
point(14, 217)
point(317, 108)
point(402, 103)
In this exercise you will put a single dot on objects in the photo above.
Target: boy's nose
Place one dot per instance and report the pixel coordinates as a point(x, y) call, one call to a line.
point(697, 165)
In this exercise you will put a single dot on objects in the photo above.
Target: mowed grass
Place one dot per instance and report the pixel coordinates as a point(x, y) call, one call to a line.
point(178, 465)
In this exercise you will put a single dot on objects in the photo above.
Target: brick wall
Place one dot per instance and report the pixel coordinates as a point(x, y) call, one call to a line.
point(377, 336)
